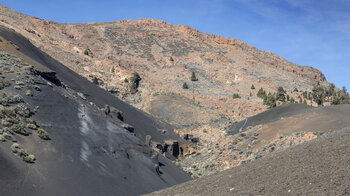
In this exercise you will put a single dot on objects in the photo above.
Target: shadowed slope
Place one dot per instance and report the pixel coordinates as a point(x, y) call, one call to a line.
point(88, 154)
point(271, 115)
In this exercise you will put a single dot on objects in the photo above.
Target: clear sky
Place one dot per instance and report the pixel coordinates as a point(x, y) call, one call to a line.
point(306, 32)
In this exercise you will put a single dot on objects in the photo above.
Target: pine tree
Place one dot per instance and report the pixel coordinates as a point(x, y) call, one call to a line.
point(185, 86)
point(261, 93)
point(280, 94)
point(134, 82)
point(193, 77)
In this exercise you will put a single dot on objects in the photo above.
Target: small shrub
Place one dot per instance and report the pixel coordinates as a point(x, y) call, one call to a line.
point(23, 110)
point(17, 99)
point(185, 86)
point(22, 153)
point(43, 134)
point(29, 158)
point(31, 121)
point(14, 147)
point(148, 140)
point(17, 128)
point(2, 138)
point(8, 122)
point(29, 93)
point(252, 87)
point(37, 88)
point(17, 87)
point(193, 77)
point(88, 52)
point(31, 126)
point(7, 112)
point(9, 137)
point(236, 96)
point(19, 83)
point(135, 81)
point(270, 100)
point(261, 93)
point(3, 84)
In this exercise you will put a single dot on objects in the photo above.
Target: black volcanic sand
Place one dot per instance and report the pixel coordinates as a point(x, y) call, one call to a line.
point(88, 154)
point(317, 167)
point(274, 114)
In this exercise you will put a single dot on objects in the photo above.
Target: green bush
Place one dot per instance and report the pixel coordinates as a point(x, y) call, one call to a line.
point(3, 84)
point(43, 134)
point(252, 87)
point(14, 147)
point(236, 96)
point(305, 95)
point(193, 77)
point(9, 137)
point(7, 112)
point(270, 100)
point(292, 100)
point(37, 88)
point(261, 93)
point(31, 126)
point(8, 122)
point(23, 110)
point(29, 158)
point(280, 96)
point(318, 94)
point(29, 93)
point(19, 83)
point(135, 81)
point(17, 87)
point(17, 128)
point(185, 86)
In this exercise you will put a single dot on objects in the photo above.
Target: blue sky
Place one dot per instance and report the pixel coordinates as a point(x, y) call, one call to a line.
point(306, 32)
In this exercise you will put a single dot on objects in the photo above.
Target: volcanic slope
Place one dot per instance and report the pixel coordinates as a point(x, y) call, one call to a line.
point(54, 114)
point(316, 167)
point(165, 56)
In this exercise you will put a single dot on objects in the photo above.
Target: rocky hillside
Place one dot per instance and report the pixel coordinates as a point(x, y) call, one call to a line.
point(62, 135)
point(316, 167)
point(197, 82)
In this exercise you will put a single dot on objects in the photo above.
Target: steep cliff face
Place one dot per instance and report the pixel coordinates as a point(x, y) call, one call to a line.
point(165, 56)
